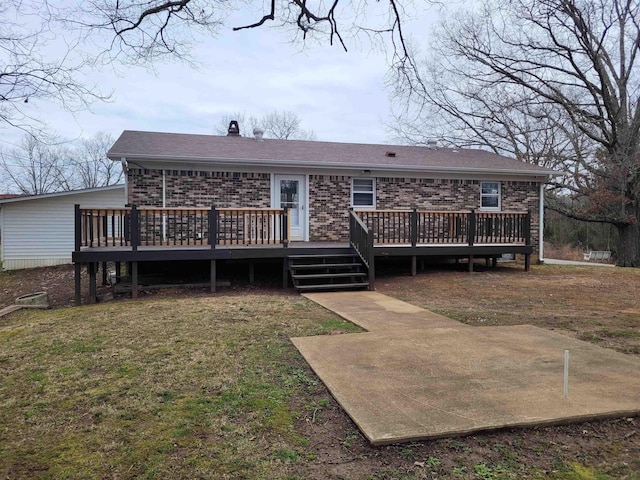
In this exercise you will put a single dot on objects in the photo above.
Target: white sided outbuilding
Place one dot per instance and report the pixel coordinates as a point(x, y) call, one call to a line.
point(38, 231)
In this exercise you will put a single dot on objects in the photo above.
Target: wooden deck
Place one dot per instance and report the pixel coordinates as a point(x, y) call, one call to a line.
point(133, 235)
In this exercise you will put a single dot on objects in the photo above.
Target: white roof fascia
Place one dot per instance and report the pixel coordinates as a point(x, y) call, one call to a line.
point(59, 194)
point(335, 166)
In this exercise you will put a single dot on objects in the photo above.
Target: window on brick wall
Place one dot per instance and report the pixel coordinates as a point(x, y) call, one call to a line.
point(490, 195)
point(363, 193)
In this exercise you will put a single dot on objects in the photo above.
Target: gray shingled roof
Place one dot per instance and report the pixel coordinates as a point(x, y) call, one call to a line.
point(297, 153)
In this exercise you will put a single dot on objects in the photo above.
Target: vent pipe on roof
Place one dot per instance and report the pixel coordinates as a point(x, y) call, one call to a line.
point(258, 133)
point(432, 143)
point(234, 129)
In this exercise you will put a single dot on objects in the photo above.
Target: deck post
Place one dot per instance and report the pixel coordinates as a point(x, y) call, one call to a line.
point(527, 262)
point(213, 227)
point(494, 262)
point(213, 276)
point(285, 227)
point(77, 227)
point(118, 273)
point(134, 279)
point(251, 273)
point(104, 272)
point(91, 270)
point(135, 228)
point(472, 227)
point(78, 283)
point(470, 263)
point(414, 266)
point(414, 229)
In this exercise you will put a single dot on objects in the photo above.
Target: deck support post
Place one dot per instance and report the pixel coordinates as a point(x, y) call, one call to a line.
point(414, 267)
point(118, 273)
point(78, 284)
point(470, 263)
point(213, 226)
point(134, 279)
point(527, 262)
point(414, 227)
point(77, 228)
point(213, 277)
point(104, 272)
point(91, 271)
point(487, 261)
point(494, 262)
point(135, 227)
point(285, 273)
point(251, 273)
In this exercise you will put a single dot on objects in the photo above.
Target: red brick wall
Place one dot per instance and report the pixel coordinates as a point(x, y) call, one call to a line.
point(329, 195)
point(200, 189)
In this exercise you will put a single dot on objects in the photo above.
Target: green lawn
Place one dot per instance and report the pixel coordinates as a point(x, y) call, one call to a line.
point(182, 388)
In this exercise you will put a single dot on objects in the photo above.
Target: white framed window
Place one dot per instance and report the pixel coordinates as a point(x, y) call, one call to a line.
point(490, 195)
point(363, 193)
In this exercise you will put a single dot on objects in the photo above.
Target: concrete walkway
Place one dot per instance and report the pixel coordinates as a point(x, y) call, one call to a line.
point(416, 375)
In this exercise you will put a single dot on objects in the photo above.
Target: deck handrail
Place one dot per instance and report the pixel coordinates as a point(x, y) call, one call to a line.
point(134, 226)
point(362, 242)
point(465, 227)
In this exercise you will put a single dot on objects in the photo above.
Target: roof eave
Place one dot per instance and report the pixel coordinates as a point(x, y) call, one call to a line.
point(328, 165)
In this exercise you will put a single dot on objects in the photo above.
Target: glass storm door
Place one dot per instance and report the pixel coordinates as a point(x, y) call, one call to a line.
point(290, 193)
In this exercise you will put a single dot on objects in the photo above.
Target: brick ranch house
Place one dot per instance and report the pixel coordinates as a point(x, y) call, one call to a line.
point(207, 197)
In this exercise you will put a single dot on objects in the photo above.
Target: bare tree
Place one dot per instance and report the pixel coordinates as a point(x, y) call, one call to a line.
point(284, 125)
point(36, 167)
point(28, 74)
point(145, 30)
point(90, 164)
point(552, 82)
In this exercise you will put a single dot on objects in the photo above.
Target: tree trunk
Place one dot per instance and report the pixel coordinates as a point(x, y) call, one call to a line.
point(628, 245)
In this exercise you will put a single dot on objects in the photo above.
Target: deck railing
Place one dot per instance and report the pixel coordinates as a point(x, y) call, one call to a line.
point(154, 226)
point(418, 227)
point(361, 239)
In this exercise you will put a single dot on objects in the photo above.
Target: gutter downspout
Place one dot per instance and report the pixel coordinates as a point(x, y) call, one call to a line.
point(541, 225)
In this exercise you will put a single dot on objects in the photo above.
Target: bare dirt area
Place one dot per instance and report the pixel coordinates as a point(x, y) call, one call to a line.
point(56, 281)
point(185, 384)
point(601, 305)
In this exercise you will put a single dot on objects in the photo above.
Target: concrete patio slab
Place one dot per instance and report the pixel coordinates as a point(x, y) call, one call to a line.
point(377, 312)
point(414, 380)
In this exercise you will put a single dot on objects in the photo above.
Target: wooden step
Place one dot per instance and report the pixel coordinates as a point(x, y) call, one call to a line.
point(327, 272)
point(328, 275)
point(334, 286)
point(323, 265)
point(331, 255)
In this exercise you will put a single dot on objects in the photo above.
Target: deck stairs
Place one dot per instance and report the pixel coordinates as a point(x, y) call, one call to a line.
point(327, 272)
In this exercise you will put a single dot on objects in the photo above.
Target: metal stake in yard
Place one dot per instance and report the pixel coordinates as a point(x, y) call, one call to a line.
point(566, 373)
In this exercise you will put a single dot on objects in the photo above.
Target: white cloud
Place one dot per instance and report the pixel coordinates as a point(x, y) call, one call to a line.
point(339, 95)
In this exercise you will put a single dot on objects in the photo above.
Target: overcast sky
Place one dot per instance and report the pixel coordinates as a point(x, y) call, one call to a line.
point(340, 96)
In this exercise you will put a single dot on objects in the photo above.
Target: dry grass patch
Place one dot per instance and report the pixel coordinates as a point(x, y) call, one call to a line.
point(167, 388)
point(593, 303)
point(211, 387)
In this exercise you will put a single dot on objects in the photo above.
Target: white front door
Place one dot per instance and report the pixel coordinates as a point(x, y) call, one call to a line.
point(290, 192)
